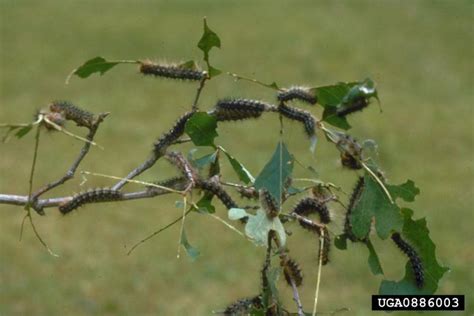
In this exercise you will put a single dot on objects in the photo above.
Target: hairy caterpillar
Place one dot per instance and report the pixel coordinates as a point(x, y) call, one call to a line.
point(90, 196)
point(176, 183)
point(268, 203)
point(292, 271)
point(173, 134)
point(298, 93)
point(298, 115)
point(217, 190)
point(248, 192)
point(415, 260)
point(171, 71)
point(355, 196)
point(311, 205)
point(357, 105)
point(324, 254)
point(244, 306)
point(183, 165)
point(351, 152)
point(239, 109)
point(71, 112)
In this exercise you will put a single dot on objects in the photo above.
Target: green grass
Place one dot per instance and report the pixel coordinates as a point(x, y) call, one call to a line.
point(420, 54)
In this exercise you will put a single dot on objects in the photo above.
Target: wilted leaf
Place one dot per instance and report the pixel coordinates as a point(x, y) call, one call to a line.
point(258, 226)
point(276, 172)
point(201, 127)
point(417, 234)
point(237, 213)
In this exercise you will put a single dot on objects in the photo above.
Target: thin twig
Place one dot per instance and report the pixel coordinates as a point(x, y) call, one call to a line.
point(320, 264)
point(198, 93)
point(180, 239)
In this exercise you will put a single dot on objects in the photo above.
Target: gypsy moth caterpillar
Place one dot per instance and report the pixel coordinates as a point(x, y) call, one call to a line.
point(244, 306)
point(324, 254)
point(357, 105)
point(176, 183)
point(218, 191)
point(178, 160)
point(297, 93)
point(355, 196)
point(248, 192)
point(298, 115)
point(173, 134)
point(239, 109)
point(310, 205)
point(292, 271)
point(351, 152)
point(268, 203)
point(90, 196)
point(171, 71)
point(71, 112)
point(413, 257)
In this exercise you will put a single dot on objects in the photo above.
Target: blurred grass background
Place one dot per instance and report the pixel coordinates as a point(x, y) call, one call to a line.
point(419, 52)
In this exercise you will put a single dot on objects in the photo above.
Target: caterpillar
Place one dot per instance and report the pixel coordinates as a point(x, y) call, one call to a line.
point(217, 190)
point(355, 196)
point(268, 203)
point(90, 196)
point(351, 152)
point(171, 71)
point(239, 109)
point(244, 306)
point(415, 260)
point(292, 271)
point(173, 134)
point(357, 105)
point(248, 192)
point(311, 205)
point(298, 115)
point(71, 112)
point(176, 183)
point(324, 254)
point(298, 93)
point(178, 160)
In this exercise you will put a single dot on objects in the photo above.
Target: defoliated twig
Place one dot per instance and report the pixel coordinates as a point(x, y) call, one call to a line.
point(198, 93)
point(320, 264)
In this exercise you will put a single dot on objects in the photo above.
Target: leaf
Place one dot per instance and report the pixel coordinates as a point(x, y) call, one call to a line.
point(341, 242)
point(205, 204)
point(418, 235)
point(205, 160)
point(96, 64)
point(406, 191)
point(190, 64)
point(237, 213)
point(258, 226)
point(23, 131)
point(192, 252)
point(276, 172)
point(242, 172)
point(201, 127)
point(374, 203)
point(329, 116)
point(373, 261)
point(333, 95)
point(209, 40)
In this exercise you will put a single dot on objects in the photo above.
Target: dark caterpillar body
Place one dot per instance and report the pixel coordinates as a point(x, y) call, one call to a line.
point(248, 192)
point(173, 134)
point(244, 306)
point(297, 93)
point(299, 115)
point(415, 260)
point(324, 254)
point(355, 196)
point(268, 203)
point(357, 105)
point(311, 205)
point(90, 196)
point(71, 112)
point(217, 190)
point(176, 183)
point(351, 152)
point(292, 271)
point(178, 160)
point(171, 71)
point(239, 109)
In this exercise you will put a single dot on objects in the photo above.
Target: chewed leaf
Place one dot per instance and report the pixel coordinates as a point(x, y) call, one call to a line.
point(406, 191)
point(258, 226)
point(97, 65)
point(201, 127)
point(209, 40)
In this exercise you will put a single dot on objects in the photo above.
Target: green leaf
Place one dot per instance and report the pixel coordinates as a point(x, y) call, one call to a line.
point(201, 127)
point(341, 242)
point(209, 40)
point(406, 191)
point(258, 226)
point(276, 172)
point(190, 64)
point(333, 95)
point(242, 172)
point(205, 160)
point(374, 203)
point(205, 204)
point(329, 116)
point(418, 235)
point(97, 64)
point(192, 252)
point(373, 261)
point(23, 131)
point(237, 213)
